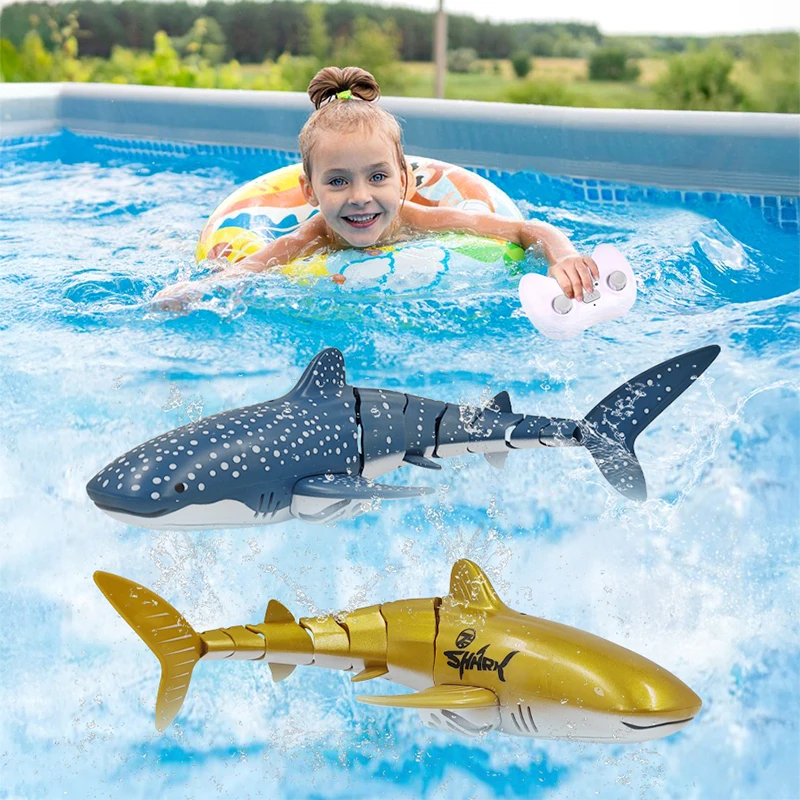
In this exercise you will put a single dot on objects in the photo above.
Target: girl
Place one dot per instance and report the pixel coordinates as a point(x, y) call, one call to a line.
point(355, 172)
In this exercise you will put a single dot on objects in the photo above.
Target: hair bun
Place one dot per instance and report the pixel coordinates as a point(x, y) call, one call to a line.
point(329, 81)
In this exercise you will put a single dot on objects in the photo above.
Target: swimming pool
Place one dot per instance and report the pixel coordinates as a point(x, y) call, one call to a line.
point(701, 579)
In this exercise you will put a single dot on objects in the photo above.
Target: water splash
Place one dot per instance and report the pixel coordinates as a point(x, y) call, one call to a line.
point(702, 578)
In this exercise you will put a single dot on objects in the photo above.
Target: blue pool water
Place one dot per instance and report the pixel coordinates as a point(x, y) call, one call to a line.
point(701, 579)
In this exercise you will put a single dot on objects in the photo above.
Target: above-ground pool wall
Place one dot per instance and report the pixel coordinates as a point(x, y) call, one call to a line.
point(604, 150)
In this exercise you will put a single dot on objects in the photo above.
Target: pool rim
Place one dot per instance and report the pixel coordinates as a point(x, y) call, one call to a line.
point(734, 152)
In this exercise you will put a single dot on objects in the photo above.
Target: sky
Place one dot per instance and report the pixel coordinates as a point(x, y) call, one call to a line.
point(688, 17)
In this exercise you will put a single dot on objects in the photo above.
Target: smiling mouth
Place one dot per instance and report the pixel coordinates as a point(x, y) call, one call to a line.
point(360, 220)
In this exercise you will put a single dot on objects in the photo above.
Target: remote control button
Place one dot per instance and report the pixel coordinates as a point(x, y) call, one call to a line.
point(562, 304)
point(590, 297)
point(617, 280)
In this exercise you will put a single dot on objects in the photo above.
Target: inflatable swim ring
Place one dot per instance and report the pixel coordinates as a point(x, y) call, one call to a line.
point(273, 205)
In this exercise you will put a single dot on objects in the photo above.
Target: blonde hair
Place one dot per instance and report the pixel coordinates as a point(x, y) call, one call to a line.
point(355, 111)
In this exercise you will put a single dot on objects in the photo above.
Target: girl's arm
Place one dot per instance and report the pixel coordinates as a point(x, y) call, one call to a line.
point(572, 271)
point(309, 236)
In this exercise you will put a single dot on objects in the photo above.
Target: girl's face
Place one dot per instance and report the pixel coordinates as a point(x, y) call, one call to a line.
point(357, 184)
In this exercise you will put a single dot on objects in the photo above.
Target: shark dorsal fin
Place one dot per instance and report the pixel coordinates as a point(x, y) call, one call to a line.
point(323, 377)
point(469, 586)
point(277, 612)
point(502, 402)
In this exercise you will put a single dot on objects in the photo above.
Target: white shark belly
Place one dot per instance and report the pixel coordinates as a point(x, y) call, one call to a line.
point(222, 514)
point(450, 449)
point(549, 720)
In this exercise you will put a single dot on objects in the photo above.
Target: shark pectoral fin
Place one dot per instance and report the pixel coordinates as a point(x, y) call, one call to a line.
point(368, 673)
point(354, 487)
point(421, 461)
point(497, 460)
point(437, 697)
point(280, 671)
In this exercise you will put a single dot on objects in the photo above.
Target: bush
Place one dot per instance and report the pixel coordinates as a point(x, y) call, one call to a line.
point(164, 67)
point(294, 73)
point(462, 60)
point(702, 81)
point(522, 64)
point(611, 64)
point(34, 63)
point(776, 72)
point(543, 94)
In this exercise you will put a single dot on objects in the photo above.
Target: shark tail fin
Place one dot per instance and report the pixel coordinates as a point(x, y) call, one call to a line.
point(610, 429)
point(175, 643)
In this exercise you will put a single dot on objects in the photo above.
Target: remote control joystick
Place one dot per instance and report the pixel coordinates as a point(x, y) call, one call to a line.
point(617, 280)
point(562, 304)
point(558, 317)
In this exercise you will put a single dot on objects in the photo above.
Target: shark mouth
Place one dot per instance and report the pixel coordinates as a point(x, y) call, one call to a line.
point(657, 725)
point(120, 510)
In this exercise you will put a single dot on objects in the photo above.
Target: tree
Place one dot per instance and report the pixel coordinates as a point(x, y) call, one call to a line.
point(522, 64)
point(374, 47)
point(566, 47)
point(542, 44)
point(611, 64)
point(204, 39)
point(318, 42)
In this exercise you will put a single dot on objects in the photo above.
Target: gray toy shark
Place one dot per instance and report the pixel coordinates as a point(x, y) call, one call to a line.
point(314, 453)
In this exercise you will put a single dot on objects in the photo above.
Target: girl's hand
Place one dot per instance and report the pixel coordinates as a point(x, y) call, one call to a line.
point(574, 275)
point(177, 297)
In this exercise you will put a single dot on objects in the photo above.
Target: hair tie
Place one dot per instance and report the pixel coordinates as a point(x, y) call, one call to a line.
point(345, 95)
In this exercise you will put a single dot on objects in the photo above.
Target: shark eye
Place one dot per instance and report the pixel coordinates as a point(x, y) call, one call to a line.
point(180, 488)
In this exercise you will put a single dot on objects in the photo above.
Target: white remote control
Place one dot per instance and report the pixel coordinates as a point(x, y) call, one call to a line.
point(557, 317)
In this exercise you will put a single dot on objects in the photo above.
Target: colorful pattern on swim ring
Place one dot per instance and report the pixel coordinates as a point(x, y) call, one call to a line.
point(273, 205)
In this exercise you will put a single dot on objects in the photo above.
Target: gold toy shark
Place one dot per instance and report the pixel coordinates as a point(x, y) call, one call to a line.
point(476, 665)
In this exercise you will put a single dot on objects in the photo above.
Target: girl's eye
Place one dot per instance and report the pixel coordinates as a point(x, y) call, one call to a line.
point(336, 182)
point(379, 176)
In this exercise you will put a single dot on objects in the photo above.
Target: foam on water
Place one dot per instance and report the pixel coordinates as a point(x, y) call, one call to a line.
point(701, 579)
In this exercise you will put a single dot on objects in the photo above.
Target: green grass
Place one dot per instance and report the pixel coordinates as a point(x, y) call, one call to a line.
point(552, 81)
point(613, 94)
point(570, 72)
